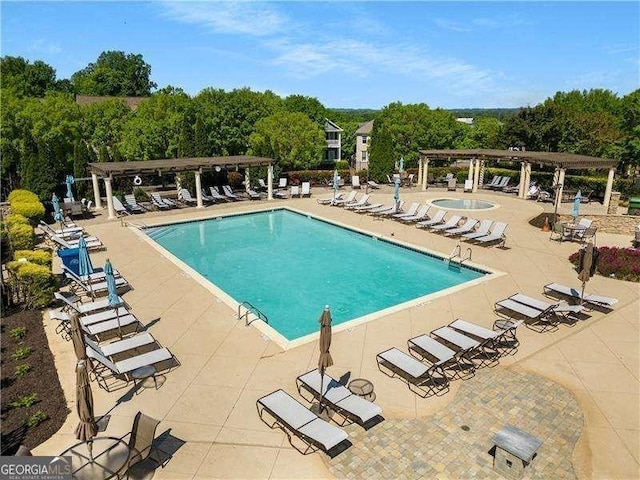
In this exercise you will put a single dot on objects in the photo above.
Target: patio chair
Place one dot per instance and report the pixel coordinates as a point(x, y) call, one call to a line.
point(253, 195)
point(468, 186)
point(482, 231)
point(141, 443)
point(350, 407)
point(103, 330)
point(343, 201)
point(91, 288)
point(163, 200)
point(297, 421)
point(93, 243)
point(428, 349)
point(494, 181)
point(66, 231)
point(125, 348)
point(158, 203)
point(132, 204)
point(421, 379)
point(504, 182)
point(411, 211)
point(226, 190)
point(327, 201)
point(294, 191)
point(119, 207)
point(69, 236)
point(466, 227)
point(537, 313)
point(372, 184)
point(585, 235)
point(388, 210)
point(503, 340)
point(215, 194)
point(420, 215)
point(187, 198)
point(282, 182)
point(104, 369)
point(262, 186)
point(355, 181)
point(451, 223)
point(98, 274)
point(205, 197)
point(467, 348)
point(366, 208)
point(438, 218)
point(364, 200)
point(496, 235)
point(452, 184)
point(573, 294)
point(73, 303)
point(305, 189)
point(408, 182)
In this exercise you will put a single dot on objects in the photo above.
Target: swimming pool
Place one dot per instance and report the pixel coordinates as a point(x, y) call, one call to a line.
point(291, 265)
point(463, 204)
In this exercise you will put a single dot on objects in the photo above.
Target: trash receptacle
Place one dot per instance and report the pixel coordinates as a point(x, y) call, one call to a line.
point(634, 206)
point(69, 257)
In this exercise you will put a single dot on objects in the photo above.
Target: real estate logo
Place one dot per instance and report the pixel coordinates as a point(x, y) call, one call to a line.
point(35, 468)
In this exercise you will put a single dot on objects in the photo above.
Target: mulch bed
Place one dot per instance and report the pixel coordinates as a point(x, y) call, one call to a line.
point(42, 380)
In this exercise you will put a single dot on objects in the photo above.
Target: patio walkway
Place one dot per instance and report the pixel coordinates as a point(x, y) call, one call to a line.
point(209, 402)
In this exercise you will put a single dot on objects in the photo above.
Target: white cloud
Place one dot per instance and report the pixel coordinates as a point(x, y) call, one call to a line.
point(45, 47)
point(247, 18)
point(454, 26)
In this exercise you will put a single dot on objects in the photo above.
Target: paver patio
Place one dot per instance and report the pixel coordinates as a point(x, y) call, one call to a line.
point(209, 402)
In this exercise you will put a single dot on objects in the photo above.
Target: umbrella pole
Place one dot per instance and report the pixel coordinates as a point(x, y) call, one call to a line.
point(90, 449)
point(118, 319)
point(321, 394)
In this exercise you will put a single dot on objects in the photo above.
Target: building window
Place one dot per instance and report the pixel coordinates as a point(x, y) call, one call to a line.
point(364, 139)
point(364, 157)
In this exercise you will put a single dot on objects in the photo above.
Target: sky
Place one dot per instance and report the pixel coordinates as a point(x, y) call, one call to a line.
point(360, 54)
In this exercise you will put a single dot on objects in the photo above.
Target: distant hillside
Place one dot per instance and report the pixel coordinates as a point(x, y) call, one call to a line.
point(499, 113)
point(365, 114)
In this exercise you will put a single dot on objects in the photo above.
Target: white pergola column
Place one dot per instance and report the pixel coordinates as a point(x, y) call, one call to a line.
point(96, 191)
point(270, 182)
point(470, 176)
point(476, 174)
point(560, 185)
point(198, 190)
point(555, 176)
point(425, 172)
point(109, 192)
point(521, 186)
point(607, 192)
point(419, 171)
point(527, 179)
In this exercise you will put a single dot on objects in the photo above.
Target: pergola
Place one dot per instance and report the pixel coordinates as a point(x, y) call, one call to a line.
point(560, 161)
point(109, 170)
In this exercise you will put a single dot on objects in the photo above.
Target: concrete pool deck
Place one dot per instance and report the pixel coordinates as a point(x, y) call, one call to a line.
point(209, 401)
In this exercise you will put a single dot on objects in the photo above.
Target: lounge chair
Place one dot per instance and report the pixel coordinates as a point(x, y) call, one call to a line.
point(504, 182)
point(91, 288)
point(411, 211)
point(408, 182)
point(355, 181)
point(482, 231)
point(451, 223)
point(342, 201)
point(494, 181)
point(305, 189)
point(282, 182)
point(538, 313)
point(366, 208)
point(98, 274)
point(162, 200)
point(572, 293)
point(64, 232)
point(437, 219)
point(104, 369)
point(215, 194)
point(93, 243)
point(425, 348)
point(452, 184)
point(141, 443)
point(132, 204)
point(119, 207)
point(206, 198)
point(363, 201)
point(467, 347)
point(350, 407)
point(327, 201)
point(294, 191)
point(74, 304)
point(103, 330)
point(466, 227)
point(262, 186)
point(496, 235)
point(421, 379)
point(372, 184)
point(187, 198)
point(253, 195)
point(159, 204)
point(226, 189)
point(503, 340)
point(468, 186)
point(295, 420)
point(388, 210)
point(420, 215)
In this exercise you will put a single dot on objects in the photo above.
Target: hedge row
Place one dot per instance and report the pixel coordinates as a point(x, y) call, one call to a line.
point(27, 204)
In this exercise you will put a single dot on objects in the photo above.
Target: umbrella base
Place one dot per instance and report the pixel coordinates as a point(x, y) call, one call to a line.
point(326, 414)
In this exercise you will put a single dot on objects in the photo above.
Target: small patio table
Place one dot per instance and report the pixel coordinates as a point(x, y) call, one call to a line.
point(571, 229)
point(363, 388)
point(108, 457)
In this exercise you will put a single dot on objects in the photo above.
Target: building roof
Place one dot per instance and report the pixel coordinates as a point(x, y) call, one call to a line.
point(365, 128)
point(555, 159)
point(329, 126)
point(132, 102)
point(175, 165)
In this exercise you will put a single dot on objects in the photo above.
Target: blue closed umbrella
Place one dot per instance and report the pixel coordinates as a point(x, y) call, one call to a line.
point(113, 298)
point(70, 181)
point(576, 205)
point(396, 192)
point(57, 215)
point(401, 167)
point(84, 261)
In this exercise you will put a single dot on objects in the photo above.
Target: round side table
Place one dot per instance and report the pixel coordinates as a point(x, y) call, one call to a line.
point(363, 388)
point(143, 374)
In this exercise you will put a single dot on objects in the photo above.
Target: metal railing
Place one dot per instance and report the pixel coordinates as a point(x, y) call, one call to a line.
point(250, 309)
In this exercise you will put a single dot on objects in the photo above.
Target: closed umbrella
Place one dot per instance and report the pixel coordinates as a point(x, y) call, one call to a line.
point(325, 359)
point(586, 267)
point(70, 181)
point(84, 261)
point(396, 192)
point(401, 165)
point(57, 213)
point(77, 338)
point(576, 205)
point(113, 298)
point(87, 428)
point(336, 182)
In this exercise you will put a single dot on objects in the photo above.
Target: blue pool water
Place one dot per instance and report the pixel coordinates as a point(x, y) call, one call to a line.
point(290, 266)
point(462, 204)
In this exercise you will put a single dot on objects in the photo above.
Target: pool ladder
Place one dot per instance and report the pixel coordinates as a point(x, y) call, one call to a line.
point(457, 253)
point(250, 309)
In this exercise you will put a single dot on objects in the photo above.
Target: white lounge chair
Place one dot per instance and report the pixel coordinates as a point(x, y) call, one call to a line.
point(102, 330)
point(468, 348)
point(253, 195)
point(282, 182)
point(215, 194)
point(118, 348)
point(74, 304)
point(388, 210)
point(294, 191)
point(411, 211)
point(187, 198)
point(327, 201)
point(496, 235)
point(355, 181)
point(366, 208)
point(159, 204)
point(91, 288)
point(502, 340)
point(437, 219)
point(451, 223)
point(93, 243)
point(468, 186)
point(421, 379)
point(572, 293)
point(431, 350)
point(162, 200)
point(372, 184)
point(305, 189)
point(119, 207)
point(295, 420)
point(363, 201)
point(352, 408)
point(494, 181)
point(71, 232)
point(342, 201)
point(132, 204)
point(205, 197)
point(226, 189)
point(420, 215)
point(538, 312)
point(482, 230)
point(466, 227)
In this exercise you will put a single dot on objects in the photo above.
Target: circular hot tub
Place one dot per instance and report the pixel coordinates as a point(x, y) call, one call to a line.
point(462, 204)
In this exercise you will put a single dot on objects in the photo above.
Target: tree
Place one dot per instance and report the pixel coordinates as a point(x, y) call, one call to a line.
point(200, 138)
point(115, 74)
point(292, 139)
point(381, 157)
point(308, 105)
point(486, 132)
point(28, 79)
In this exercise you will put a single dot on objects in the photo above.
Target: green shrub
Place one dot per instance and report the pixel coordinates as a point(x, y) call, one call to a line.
point(39, 257)
point(140, 195)
point(37, 282)
point(22, 237)
point(15, 219)
point(34, 211)
point(25, 401)
point(22, 370)
point(18, 333)
point(36, 419)
point(615, 262)
point(22, 196)
point(342, 165)
point(21, 353)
